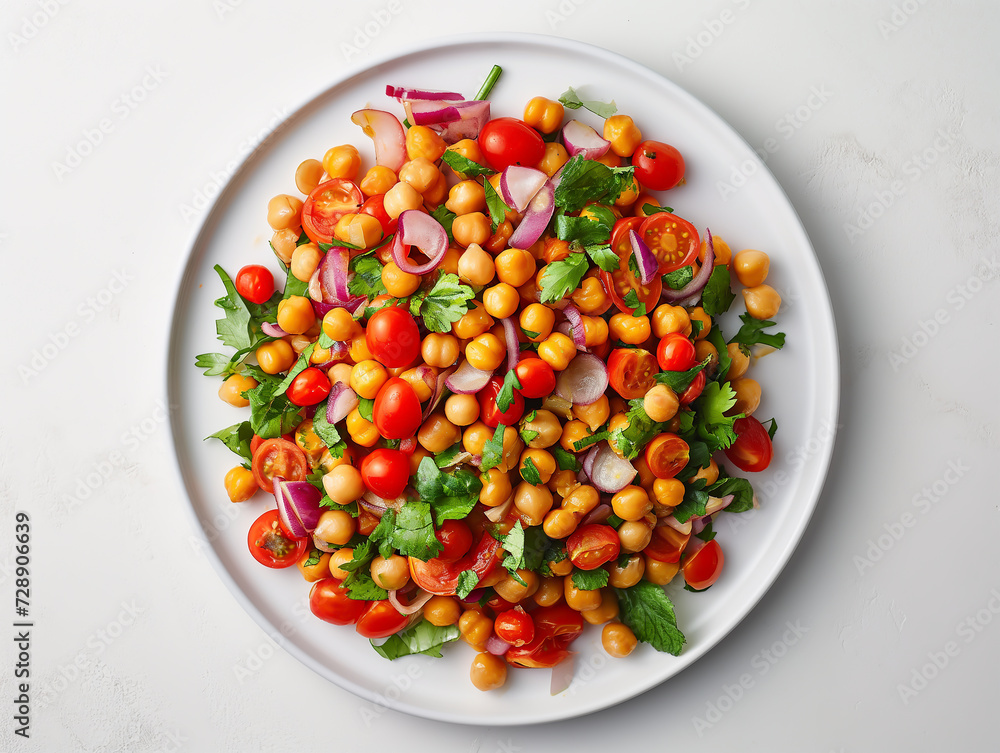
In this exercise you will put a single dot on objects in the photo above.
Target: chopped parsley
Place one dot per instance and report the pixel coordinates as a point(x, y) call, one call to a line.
point(586, 180)
point(646, 609)
point(752, 332)
point(562, 277)
point(590, 580)
point(464, 166)
point(422, 638)
point(367, 279)
point(572, 100)
point(237, 438)
point(445, 303)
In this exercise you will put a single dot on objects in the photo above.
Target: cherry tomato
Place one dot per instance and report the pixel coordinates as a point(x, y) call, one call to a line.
point(278, 457)
point(509, 141)
point(658, 166)
point(273, 546)
point(515, 626)
point(328, 202)
point(329, 601)
point(385, 472)
point(672, 239)
point(620, 282)
point(488, 410)
point(667, 455)
point(375, 206)
point(630, 372)
point(693, 390)
point(396, 412)
point(392, 337)
point(556, 627)
point(257, 441)
point(537, 378)
point(255, 283)
point(366, 522)
point(675, 352)
point(592, 545)
point(309, 387)
point(666, 544)
point(704, 567)
point(381, 620)
point(498, 604)
point(456, 540)
point(441, 578)
point(752, 451)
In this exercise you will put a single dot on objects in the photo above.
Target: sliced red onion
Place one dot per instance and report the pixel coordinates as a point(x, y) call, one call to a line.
point(298, 505)
point(474, 114)
point(588, 460)
point(498, 513)
point(576, 320)
point(338, 352)
point(611, 473)
point(272, 330)
point(333, 271)
point(342, 400)
point(321, 308)
point(519, 184)
point(584, 380)
point(682, 528)
point(536, 218)
point(580, 138)
point(419, 229)
point(467, 379)
point(644, 259)
point(433, 113)
point(377, 506)
point(496, 645)
point(689, 293)
point(513, 349)
point(403, 93)
point(439, 388)
point(717, 504)
point(323, 546)
point(562, 675)
point(387, 132)
point(598, 515)
point(414, 606)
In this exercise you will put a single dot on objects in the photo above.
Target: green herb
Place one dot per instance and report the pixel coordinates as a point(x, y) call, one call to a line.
point(554, 552)
point(443, 304)
point(529, 472)
point(707, 533)
point(583, 444)
point(715, 428)
point(239, 329)
point(586, 230)
point(572, 100)
point(590, 580)
point(513, 544)
point(603, 257)
point(497, 208)
point(530, 333)
point(467, 582)
point(351, 508)
point(506, 395)
point(648, 209)
point(586, 180)
point(562, 277)
point(679, 381)
point(740, 488)
point(633, 437)
point(422, 638)
point(717, 296)
point(367, 279)
point(382, 533)
point(489, 83)
point(678, 278)
point(464, 166)
point(699, 456)
point(414, 535)
point(696, 326)
point(315, 555)
point(446, 458)
point(564, 459)
point(631, 300)
point(527, 435)
point(773, 428)
point(646, 609)
point(451, 495)
point(237, 438)
point(300, 365)
point(363, 588)
point(493, 450)
point(358, 565)
point(328, 432)
point(366, 407)
point(294, 286)
point(446, 218)
point(271, 412)
point(715, 337)
point(694, 503)
point(335, 243)
point(752, 332)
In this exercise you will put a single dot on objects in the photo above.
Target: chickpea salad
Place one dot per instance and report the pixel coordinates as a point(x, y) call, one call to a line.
point(491, 401)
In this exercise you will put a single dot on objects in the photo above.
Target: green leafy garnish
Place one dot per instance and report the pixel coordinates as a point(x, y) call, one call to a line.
point(363, 588)
point(413, 535)
point(585, 180)
point(717, 296)
point(631, 300)
point(366, 407)
point(443, 459)
point(648, 209)
point(562, 277)
point(367, 279)
point(328, 432)
point(443, 304)
point(446, 217)
point(493, 450)
point(422, 638)
point(271, 412)
point(582, 444)
point(315, 555)
point(464, 166)
point(529, 472)
point(451, 495)
point(564, 459)
point(513, 544)
point(603, 257)
point(467, 582)
point(752, 332)
point(586, 230)
point(678, 278)
point(237, 438)
point(498, 209)
point(715, 337)
point(715, 428)
point(590, 580)
point(489, 83)
point(633, 437)
point(646, 609)
point(506, 395)
point(740, 488)
point(572, 100)
point(679, 381)
point(773, 428)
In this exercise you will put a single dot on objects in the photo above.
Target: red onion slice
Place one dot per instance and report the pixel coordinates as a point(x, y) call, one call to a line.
point(691, 291)
point(496, 645)
point(644, 259)
point(562, 675)
point(342, 400)
point(333, 271)
point(498, 513)
point(298, 505)
point(717, 504)
point(611, 473)
point(588, 461)
point(513, 349)
point(580, 138)
point(682, 528)
point(467, 379)
point(387, 133)
point(474, 115)
point(584, 380)
point(414, 606)
point(403, 93)
point(576, 320)
point(536, 218)
point(419, 229)
point(433, 114)
point(598, 515)
point(272, 330)
point(440, 383)
point(519, 184)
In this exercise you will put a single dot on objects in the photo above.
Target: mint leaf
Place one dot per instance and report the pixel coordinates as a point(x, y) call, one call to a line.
point(422, 638)
point(717, 296)
point(646, 609)
point(237, 438)
point(752, 332)
point(590, 580)
point(572, 100)
point(463, 165)
point(562, 277)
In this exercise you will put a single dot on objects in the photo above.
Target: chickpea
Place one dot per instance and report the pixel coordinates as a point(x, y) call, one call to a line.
point(300, 342)
point(618, 640)
point(295, 314)
point(275, 356)
point(468, 148)
point(362, 431)
point(343, 484)
point(398, 283)
point(437, 193)
point(473, 322)
point(475, 437)
point(305, 260)
point(595, 331)
point(485, 352)
point(423, 143)
point(549, 593)
point(563, 483)
point(357, 348)
point(660, 403)
point(578, 599)
point(631, 503)
point(336, 527)
point(606, 611)
point(704, 349)
point(501, 300)
point(240, 484)
point(710, 473)
point(555, 157)
point(342, 161)
point(581, 499)
point(590, 297)
point(573, 431)
point(233, 388)
point(283, 242)
point(660, 573)
point(439, 350)
point(543, 461)
point(631, 330)
point(644, 477)
point(514, 266)
point(420, 173)
point(543, 114)
point(558, 524)
point(667, 494)
point(762, 301)
point(339, 325)
point(628, 575)
point(533, 501)
point(377, 180)
point(461, 410)
point(723, 254)
point(465, 197)
point(557, 350)
point(475, 266)
point(698, 314)
point(283, 212)
point(437, 433)
point(537, 321)
point(547, 427)
point(367, 378)
point(400, 198)
point(740, 360)
point(561, 568)
point(442, 610)
point(338, 558)
point(641, 201)
point(419, 453)
point(418, 379)
point(610, 159)
point(751, 267)
point(618, 421)
point(316, 571)
point(747, 396)
point(308, 175)
point(667, 319)
point(488, 672)
point(595, 414)
point(498, 241)
point(628, 195)
point(475, 628)
point(515, 592)
point(496, 487)
point(634, 535)
point(470, 228)
point(361, 230)
point(623, 134)
point(392, 573)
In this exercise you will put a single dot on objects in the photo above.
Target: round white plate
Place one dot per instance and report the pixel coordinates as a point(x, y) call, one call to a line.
point(800, 382)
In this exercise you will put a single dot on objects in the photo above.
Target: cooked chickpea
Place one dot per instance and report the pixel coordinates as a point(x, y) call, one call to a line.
point(594, 414)
point(485, 352)
point(543, 114)
point(422, 142)
point(284, 243)
point(762, 301)
point(514, 266)
point(710, 473)
point(473, 322)
point(468, 148)
point(543, 461)
point(591, 296)
point(667, 319)
point(419, 453)
point(295, 314)
point(305, 260)
point(465, 197)
point(300, 342)
point(420, 173)
point(623, 134)
point(336, 527)
point(475, 627)
point(578, 599)
point(563, 483)
point(747, 396)
point(400, 198)
point(233, 388)
point(549, 593)
point(501, 300)
point(437, 433)
point(723, 254)
point(338, 558)
point(240, 484)
point(417, 378)
point(660, 573)
point(308, 175)
point(470, 228)
point(533, 501)
point(496, 487)
point(634, 535)
point(442, 610)
point(342, 161)
point(488, 672)
point(367, 378)
point(631, 330)
point(398, 283)
point(377, 180)
point(316, 571)
point(595, 331)
point(751, 267)
point(339, 325)
point(392, 573)
point(606, 611)
point(628, 195)
point(581, 499)
point(704, 349)
point(439, 350)
point(740, 360)
point(618, 640)
point(628, 575)
point(340, 372)
point(631, 503)
point(275, 356)
point(514, 592)
point(573, 431)
point(283, 212)
point(343, 484)
point(557, 350)
point(554, 157)
point(357, 348)
point(698, 314)
point(644, 477)
point(547, 427)
point(475, 266)
point(362, 431)
point(536, 321)
point(461, 410)
point(660, 403)
point(667, 494)
point(475, 437)
point(559, 523)
point(437, 193)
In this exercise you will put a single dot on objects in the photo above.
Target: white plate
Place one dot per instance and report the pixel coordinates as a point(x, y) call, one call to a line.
point(800, 382)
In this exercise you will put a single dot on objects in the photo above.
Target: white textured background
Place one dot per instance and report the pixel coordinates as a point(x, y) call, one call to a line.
point(897, 568)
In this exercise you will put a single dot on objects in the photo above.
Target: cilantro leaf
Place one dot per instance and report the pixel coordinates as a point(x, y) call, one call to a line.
point(367, 279)
point(562, 277)
point(234, 328)
point(237, 438)
point(215, 364)
point(363, 588)
point(506, 395)
point(328, 432)
point(300, 365)
point(467, 582)
point(603, 257)
point(464, 166)
point(633, 437)
point(715, 428)
point(492, 450)
point(585, 180)
point(572, 100)
point(679, 381)
point(590, 580)
point(740, 488)
point(646, 609)
point(565, 460)
point(413, 535)
point(631, 300)
point(513, 544)
point(443, 304)
point(422, 638)
point(495, 204)
point(717, 296)
point(529, 472)
point(752, 332)
point(678, 278)
point(382, 533)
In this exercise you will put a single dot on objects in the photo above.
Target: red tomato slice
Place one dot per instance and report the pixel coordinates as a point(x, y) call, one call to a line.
point(440, 577)
point(556, 627)
point(592, 545)
point(278, 457)
point(666, 544)
point(672, 239)
point(704, 567)
point(752, 451)
point(381, 620)
point(630, 372)
point(271, 545)
point(328, 202)
point(666, 455)
point(618, 283)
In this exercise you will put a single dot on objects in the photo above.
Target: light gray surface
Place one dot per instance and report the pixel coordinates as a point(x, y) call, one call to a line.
point(883, 117)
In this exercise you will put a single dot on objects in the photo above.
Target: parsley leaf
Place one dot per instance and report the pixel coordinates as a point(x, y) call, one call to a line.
point(646, 609)
point(443, 304)
point(413, 535)
point(492, 450)
point(585, 180)
point(464, 166)
point(536, 544)
point(679, 381)
point(752, 332)
point(725, 361)
point(315, 555)
point(585, 230)
point(678, 278)
point(446, 218)
point(717, 296)
point(529, 472)
point(590, 580)
point(328, 432)
point(422, 638)
point(562, 277)
point(631, 300)
point(237, 438)
point(582, 444)
point(506, 395)
point(572, 100)
point(565, 460)
point(633, 437)
point(467, 582)
point(271, 412)
point(715, 428)
point(382, 533)
point(363, 588)
point(648, 209)
point(603, 257)
point(740, 488)
point(446, 458)
point(234, 328)
point(694, 502)
point(495, 203)
point(773, 428)
point(367, 279)
point(513, 544)
point(366, 407)
point(451, 495)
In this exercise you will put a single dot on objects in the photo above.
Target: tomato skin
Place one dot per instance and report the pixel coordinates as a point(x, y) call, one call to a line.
point(441, 578)
point(490, 414)
point(672, 239)
point(396, 412)
point(375, 206)
point(255, 283)
point(630, 372)
point(537, 377)
point(703, 568)
point(509, 141)
point(393, 337)
point(278, 457)
point(618, 282)
point(381, 620)
point(667, 454)
point(675, 352)
point(273, 546)
point(592, 545)
point(329, 601)
point(328, 202)
point(456, 540)
point(693, 390)
point(658, 166)
point(666, 544)
point(385, 472)
point(556, 627)
point(752, 451)
point(311, 386)
point(515, 626)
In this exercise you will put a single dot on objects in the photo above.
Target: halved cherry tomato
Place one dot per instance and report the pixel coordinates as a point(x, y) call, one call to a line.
point(309, 387)
point(556, 627)
point(375, 206)
point(273, 546)
point(672, 239)
point(392, 337)
point(704, 567)
point(385, 472)
point(666, 544)
point(381, 620)
point(675, 352)
point(515, 626)
point(328, 202)
point(537, 378)
point(490, 413)
point(667, 455)
point(752, 451)
point(255, 283)
point(693, 390)
point(396, 412)
point(658, 166)
point(618, 283)
point(257, 441)
point(509, 141)
point(630, 372)
point(278, 457)
point(329, 601)
point(439, 577)
point(456, 540)
point(592, 545)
